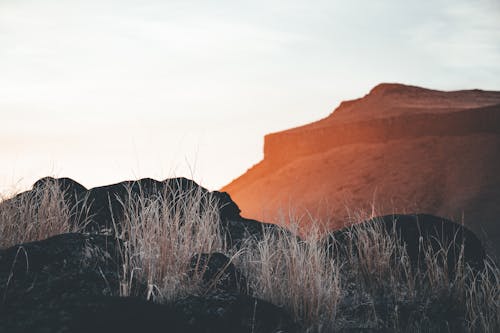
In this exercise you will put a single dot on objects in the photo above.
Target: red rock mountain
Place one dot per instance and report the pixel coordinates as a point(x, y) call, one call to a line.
point(399, 149)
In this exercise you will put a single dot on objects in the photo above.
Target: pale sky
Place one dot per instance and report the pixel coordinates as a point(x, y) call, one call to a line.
point(108, 90)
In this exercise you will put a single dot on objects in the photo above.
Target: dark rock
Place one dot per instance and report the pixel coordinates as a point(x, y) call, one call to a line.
point(54, 275)
point(62, 266)
point(221, 313)
point(382, 313)
point(74, 195)
point(217, 272)
point(241, 230)
point(101, 209)
point(67, 185)
point(123, 314)
point(67, 283)
point(419, 232)
point(225, 312)
point(228, 208)
point(106, 203)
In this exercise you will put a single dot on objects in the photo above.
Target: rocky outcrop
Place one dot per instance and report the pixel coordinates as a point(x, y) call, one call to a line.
point(66, 265)
point(101, 209)
point(106, 202)
point(410, 125)
point(69, 283)
point(418, 233)
point(399, 149)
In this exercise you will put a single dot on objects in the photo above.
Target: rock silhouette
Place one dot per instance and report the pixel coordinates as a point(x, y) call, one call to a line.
point(419, 233)
point(67, 283)
point(101, 209)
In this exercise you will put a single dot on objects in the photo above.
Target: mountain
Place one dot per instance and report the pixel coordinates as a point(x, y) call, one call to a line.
point(398, 149)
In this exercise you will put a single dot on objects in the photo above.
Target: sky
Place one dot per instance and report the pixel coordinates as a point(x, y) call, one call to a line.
point(107, 90)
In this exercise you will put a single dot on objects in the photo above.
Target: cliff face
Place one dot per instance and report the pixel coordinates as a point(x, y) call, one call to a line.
point(287, 146)
point(399, 149)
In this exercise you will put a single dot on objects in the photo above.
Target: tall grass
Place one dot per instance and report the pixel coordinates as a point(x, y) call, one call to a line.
point(160, 235)
point(482, 296)
point(35, 215)
point(295, 274)
point(363, 281)
point(366, 281)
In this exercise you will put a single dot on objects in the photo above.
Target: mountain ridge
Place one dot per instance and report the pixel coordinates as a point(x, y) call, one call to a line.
point(400, 148)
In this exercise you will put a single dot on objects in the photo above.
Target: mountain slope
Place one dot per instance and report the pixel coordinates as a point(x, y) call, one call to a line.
point(399, 149)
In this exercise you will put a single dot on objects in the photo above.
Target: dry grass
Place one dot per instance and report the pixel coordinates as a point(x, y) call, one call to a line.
point(296, 274)
point(482, 299)
point(36, 215)
point(364, 281)
point(160, 237)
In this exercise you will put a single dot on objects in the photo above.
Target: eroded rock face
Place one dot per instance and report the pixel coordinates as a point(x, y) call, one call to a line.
point(69, 283)
point(419, 232)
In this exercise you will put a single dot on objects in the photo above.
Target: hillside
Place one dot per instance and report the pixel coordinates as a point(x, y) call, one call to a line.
point(399, 149)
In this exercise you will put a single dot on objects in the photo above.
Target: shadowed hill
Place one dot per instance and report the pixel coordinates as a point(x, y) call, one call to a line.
point(398, 149)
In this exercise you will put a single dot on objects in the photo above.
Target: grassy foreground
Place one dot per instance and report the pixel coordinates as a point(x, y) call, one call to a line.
point(370, 285)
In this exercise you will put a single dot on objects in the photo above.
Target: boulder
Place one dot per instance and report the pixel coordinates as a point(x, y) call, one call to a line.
point(63, 266)
point(100, 209)
point(217, 272)
point(106, 205)
point(418, 232)
point(74, 195)
point(67, 185)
